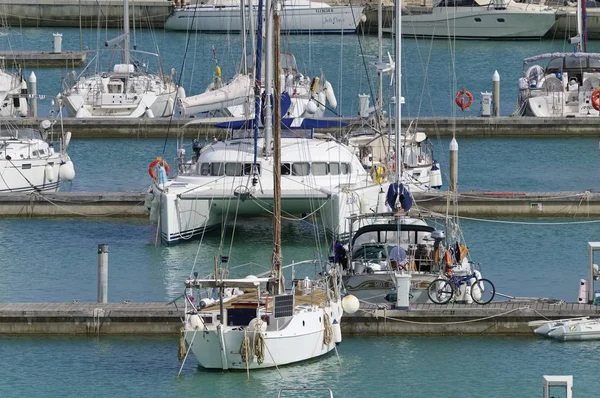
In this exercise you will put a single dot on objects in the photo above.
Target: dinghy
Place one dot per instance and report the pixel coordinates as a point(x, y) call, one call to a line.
point(586, 330)
point(545, 327)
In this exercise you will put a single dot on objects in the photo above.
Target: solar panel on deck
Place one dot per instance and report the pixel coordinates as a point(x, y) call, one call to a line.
point(283, 305)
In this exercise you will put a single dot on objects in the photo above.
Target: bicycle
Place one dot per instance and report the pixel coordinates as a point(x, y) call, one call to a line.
point(441, 291)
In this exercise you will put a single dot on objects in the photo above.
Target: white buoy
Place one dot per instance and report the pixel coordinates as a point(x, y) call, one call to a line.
point(180, 92)
point(496, 92)
point(350, 304)
point(66, 171)
point(23, 99)
point(453, 165)
point(33, 94)
point(49, 173)
point(435, 176)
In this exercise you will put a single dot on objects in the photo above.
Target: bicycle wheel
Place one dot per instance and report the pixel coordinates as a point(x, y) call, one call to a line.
point(483, 291)
point(440, 291)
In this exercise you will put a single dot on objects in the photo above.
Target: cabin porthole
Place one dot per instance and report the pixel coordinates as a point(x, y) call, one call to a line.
point(302, 323)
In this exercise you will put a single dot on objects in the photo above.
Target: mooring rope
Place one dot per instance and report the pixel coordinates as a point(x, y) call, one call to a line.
point(182, 351)
point(259, 343)
point(328, 331)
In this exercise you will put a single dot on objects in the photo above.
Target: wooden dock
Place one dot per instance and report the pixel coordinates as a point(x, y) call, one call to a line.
point(44, 59)
point(498, 318)
point(470, 204)
point(443, 127)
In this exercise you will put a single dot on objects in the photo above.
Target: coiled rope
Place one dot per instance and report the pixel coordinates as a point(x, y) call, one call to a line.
point(245, 352)
point(328, 331)
point(259, 343)
point(182, 351)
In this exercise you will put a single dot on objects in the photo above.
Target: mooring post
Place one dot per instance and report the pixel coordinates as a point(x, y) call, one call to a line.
point(102, 273)
point(453, 165)
point(33, 94)
point(496, 93)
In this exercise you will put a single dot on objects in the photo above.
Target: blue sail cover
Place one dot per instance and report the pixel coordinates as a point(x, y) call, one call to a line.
point(398, 194)
point(289, 123)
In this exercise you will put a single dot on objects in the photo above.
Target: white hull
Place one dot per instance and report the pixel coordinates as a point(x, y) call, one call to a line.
point(300, 340)
point(479, 23)
point(294, 19)
point(28, 175)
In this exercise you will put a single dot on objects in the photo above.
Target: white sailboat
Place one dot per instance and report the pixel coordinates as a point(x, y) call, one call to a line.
point(250, 327)
point(568, 86)
point(129, 90)
point(297, 16)
point(28, 161)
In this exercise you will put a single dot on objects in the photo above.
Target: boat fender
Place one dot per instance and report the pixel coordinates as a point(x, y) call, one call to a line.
point(180, 92)
point(154, 209)
point(149, 199)
point(151, 168)
point(330, 95)
point(350, 304)
point(149, 114)
point(337, 332)
point(311, 107)
point(66, 141)
point(49, 173)
point(66, 171)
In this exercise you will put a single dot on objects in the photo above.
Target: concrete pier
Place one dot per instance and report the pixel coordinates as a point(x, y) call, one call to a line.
point(45, 59)
point(469, 127)
point(497, 318)
point(470, 204)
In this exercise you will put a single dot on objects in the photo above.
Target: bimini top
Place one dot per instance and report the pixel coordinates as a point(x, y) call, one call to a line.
point(560, 55)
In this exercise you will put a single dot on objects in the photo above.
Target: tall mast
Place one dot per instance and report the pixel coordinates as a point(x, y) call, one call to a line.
point(277, 257)
point(268, 130)
point(379, 113)
point(398, 78)
point(126, 33)
point(257, 87)
point(244, 68)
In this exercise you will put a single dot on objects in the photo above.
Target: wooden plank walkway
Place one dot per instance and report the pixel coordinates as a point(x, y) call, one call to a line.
point(499, 318)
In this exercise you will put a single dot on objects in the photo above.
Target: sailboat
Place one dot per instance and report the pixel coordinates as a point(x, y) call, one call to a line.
point(254, 322)
point(568, 86)
point(396, 239)
point(129, 90)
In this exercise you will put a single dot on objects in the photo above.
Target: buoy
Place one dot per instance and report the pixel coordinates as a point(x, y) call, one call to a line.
point(350, 304)
point(195, 322)
point(435, 176)
point(330, 95)
point(363, 18)
point(337, 332)
point(49, 173)
point(66, 171)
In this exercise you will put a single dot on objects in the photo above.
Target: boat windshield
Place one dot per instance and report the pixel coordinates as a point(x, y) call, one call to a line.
point(458, 3)
point(23, 133)
point(573, 64)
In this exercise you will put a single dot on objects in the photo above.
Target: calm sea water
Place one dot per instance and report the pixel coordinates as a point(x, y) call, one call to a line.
point(56, 260)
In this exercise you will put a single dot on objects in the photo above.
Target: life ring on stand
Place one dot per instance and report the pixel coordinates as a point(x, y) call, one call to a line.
point(596, 99)
point(154, 164)
point(460, 100)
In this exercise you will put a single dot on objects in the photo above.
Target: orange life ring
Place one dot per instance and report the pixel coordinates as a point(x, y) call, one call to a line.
point(460, 101)
point(596, 99)
point(154, 164)
point(448, 258)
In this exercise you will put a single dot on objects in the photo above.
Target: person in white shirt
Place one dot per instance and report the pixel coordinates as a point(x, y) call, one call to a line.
point(398, 259)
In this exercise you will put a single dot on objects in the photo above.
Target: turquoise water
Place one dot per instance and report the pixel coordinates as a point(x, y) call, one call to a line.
point(371, 366)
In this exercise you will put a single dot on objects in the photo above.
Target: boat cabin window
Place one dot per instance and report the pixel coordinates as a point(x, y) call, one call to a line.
point(594, 64)
point(217, 169)
point(286, 169)
point(319, 168)
point(345, 168)
point(205, 169)
point(477, 19)
point(115, 87)
point(301, 169)
point(555, 65)
point(501, 20)
point(334, 168)
point(248, 169)
point(26, 166)
point(234, 169)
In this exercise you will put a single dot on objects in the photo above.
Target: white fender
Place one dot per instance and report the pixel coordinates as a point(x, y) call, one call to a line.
point(81, 112)
point(180, 92)
point(49, 173)
point(67, 171)
point(149, 114)
point(337, 332)
point(330, 95)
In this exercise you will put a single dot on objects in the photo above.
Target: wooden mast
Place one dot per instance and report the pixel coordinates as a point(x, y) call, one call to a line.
point(276, 273)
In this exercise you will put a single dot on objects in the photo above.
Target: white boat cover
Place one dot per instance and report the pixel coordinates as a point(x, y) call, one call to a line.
point(236, 92)
point(559, 55)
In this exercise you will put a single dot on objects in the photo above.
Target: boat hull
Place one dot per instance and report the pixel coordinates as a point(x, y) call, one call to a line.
point(479, 24)
point(299, 20)
point(29, 175)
